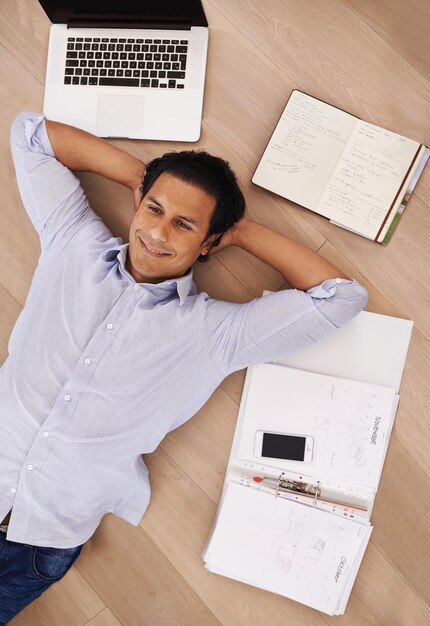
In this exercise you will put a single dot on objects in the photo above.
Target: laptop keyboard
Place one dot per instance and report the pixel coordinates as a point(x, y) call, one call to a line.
point(154, 63)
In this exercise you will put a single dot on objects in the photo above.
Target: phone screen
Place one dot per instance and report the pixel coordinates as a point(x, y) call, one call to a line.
point(283, 447)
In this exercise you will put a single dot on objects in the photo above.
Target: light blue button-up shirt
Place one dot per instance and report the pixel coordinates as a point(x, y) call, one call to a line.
point(100, 367)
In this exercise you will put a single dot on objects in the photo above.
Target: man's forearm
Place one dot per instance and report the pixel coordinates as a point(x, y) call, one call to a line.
point(83, 152)
point(301, 267)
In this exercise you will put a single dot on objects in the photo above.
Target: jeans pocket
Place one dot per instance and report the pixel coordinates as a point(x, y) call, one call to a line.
point(52, 563)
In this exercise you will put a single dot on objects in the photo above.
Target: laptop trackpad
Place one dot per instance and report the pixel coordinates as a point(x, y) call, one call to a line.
point(120, 114)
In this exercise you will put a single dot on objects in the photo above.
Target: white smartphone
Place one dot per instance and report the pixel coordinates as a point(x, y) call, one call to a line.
point(283, 446)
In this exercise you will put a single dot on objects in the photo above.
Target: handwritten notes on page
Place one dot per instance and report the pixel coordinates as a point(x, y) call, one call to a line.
point(299, 552)
point(367, 178)
point(336, 165)
point(350, 422)
point(304, 149)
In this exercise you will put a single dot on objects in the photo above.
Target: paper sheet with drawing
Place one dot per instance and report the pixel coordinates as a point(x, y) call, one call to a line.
point(350, 422)
point(305, 554)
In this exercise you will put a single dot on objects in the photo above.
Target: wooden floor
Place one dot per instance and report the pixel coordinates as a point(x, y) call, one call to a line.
point(372, 58)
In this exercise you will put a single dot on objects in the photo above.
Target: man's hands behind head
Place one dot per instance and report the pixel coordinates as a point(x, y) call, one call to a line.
point(231, 236)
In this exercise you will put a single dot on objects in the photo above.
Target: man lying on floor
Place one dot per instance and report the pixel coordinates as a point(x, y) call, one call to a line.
point(114, 347)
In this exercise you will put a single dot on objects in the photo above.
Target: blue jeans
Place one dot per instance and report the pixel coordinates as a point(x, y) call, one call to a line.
point(27, 571)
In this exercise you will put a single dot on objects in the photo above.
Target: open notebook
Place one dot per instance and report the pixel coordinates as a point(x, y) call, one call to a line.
point(359, 175)
point(307, 544)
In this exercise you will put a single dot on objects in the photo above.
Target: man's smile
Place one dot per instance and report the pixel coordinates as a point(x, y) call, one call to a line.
point(151, 250)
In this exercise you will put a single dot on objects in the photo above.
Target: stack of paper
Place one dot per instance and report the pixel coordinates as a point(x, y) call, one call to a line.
point(307, 555)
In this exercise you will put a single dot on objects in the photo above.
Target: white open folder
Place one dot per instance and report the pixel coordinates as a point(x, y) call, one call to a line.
point(307, 542)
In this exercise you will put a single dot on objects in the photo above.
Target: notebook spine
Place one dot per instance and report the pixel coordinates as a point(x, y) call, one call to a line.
point(396, 199)
point(406, 197)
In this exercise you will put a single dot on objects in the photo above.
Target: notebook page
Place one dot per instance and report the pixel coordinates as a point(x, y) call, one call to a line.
point(298, 552)
point(304, 149)
point(367, 178)
point(349, 421)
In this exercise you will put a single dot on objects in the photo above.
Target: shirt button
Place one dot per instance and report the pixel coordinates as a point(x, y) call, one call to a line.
point(109, 326)
point(29, 467)
point(67, 398)
point(87, 361)
point(46, 434)
point(338, 280)
point(136, 287)
point(13, 490)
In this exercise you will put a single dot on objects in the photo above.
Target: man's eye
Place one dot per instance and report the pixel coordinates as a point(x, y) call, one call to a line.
point(154, 209)
point(184, 226)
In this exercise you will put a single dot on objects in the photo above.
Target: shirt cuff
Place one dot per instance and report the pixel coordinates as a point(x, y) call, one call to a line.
point(327, 289)
point(37, 135)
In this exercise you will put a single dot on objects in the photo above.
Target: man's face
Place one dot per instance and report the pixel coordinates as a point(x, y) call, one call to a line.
point(168, 231)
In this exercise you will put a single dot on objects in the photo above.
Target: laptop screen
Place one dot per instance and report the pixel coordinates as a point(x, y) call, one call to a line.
point(122, 10)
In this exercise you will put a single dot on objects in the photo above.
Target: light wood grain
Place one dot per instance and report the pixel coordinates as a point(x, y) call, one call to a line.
point(125, 568)
point(208, 436)
point(28, 23)
point(372, 59)
point(403, 25)
point(71, 601)
point(104, 618)
point(18, 240)
point(9, 311)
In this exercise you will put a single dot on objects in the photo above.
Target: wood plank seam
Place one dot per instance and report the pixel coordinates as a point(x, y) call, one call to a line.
point(417, 595)
point(362, 19)
point(184, 471)
point(10, 53)
point(98, 613)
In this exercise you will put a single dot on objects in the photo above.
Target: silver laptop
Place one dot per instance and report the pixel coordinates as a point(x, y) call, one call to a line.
point(127, 68)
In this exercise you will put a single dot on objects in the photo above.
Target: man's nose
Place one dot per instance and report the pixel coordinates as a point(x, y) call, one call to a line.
point(160, 230)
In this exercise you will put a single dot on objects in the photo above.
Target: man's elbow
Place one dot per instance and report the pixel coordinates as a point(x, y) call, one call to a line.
point(359, 299)
point(18, 128)
point(348, 302)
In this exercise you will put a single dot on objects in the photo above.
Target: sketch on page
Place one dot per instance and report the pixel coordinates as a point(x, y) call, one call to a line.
point(307, 552)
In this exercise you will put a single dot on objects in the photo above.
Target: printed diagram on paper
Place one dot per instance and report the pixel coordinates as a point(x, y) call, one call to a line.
point(298, 536)
point(349, 417)
point(349, 421)
point(306, 548)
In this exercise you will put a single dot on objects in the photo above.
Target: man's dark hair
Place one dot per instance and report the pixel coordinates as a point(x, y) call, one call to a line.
point(210, 173)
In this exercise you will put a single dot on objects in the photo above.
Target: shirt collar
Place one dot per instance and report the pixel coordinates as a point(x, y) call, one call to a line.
point(180, 287)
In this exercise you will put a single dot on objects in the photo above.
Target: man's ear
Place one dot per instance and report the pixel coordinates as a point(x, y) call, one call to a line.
point(138, 197)
point(211, 242)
